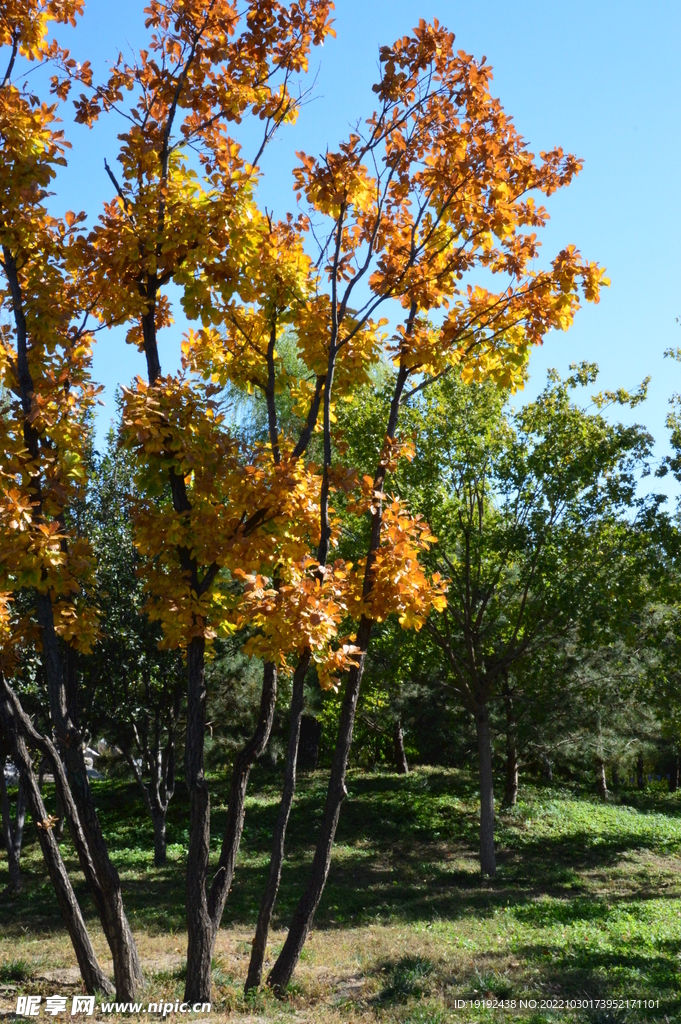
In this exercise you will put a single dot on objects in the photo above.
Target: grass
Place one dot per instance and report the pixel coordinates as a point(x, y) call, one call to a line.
point(586, 905)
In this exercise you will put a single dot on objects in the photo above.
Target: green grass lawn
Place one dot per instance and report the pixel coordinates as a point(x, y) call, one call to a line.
point(586, 905)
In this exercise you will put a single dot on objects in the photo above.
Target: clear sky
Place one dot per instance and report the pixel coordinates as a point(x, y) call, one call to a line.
point(599, 77)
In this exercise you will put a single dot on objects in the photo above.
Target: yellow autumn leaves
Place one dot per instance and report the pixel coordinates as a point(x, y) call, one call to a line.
point(435, 186)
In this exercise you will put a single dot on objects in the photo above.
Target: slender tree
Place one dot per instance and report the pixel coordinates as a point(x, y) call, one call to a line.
point(527, 507)
point(44, 361)
point(132, 689)
point(204, 69)
point(433, 186)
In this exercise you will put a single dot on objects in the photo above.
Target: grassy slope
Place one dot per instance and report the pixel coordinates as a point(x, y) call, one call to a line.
point(587, 902)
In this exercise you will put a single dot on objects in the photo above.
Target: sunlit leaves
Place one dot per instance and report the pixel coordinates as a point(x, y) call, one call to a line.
point(45, 349)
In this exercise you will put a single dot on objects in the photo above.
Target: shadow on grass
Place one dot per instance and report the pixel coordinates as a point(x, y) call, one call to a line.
point(643, 974)
point(406, 852)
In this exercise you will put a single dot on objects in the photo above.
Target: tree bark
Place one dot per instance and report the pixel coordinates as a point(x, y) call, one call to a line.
point(204, 910)
point(488, 864)
point(59, 812)
point(601, 782)
point(511, 786)
point(127, 969)
point(278, 840)
point(93, 977)
point(282, 972)
point(401, 764)
point(199, 924)
point(78, 835)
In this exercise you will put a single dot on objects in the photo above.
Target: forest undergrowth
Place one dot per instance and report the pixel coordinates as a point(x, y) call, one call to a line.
point(586, 905)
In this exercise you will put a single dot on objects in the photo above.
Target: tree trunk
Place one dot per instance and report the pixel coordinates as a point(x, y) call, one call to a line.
point(601, 783)
point(308, 744)
point(199, 924)
point(59, 812)
point(401, 764)
point(9, 832)
point(674, 775)
point(282, 972)
point(162, 788)
point(278, 840)
point(19, 820)
point(116, 928)
point(159, 820)
point(488, 864)
point(127, 969)
point(511, 786)
point(78, 836)
point(93, 977)
point(204, 910)
point(640, 777)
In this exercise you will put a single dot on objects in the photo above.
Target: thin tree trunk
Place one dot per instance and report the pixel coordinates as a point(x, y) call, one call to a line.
point(488, 864)
point(159, 820)
point(59, 812)
point(19, 820)
point(282, 972)
point(127, 969)
point(601, 782)
point(93, 977)
point(398, 742)
point(640, 777)
point(157, 805)
point(9, 832)
point(283, 969)
point(204, 910)
point(117, 930)
point(511, 787)
point(51, 757)
point(199, 924)
point(278, 840)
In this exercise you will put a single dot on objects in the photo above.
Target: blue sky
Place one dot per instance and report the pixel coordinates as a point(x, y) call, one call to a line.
point(599, 77)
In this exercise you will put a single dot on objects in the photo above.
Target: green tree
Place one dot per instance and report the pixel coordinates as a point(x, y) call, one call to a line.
point(525, 505)
point(131, 686)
